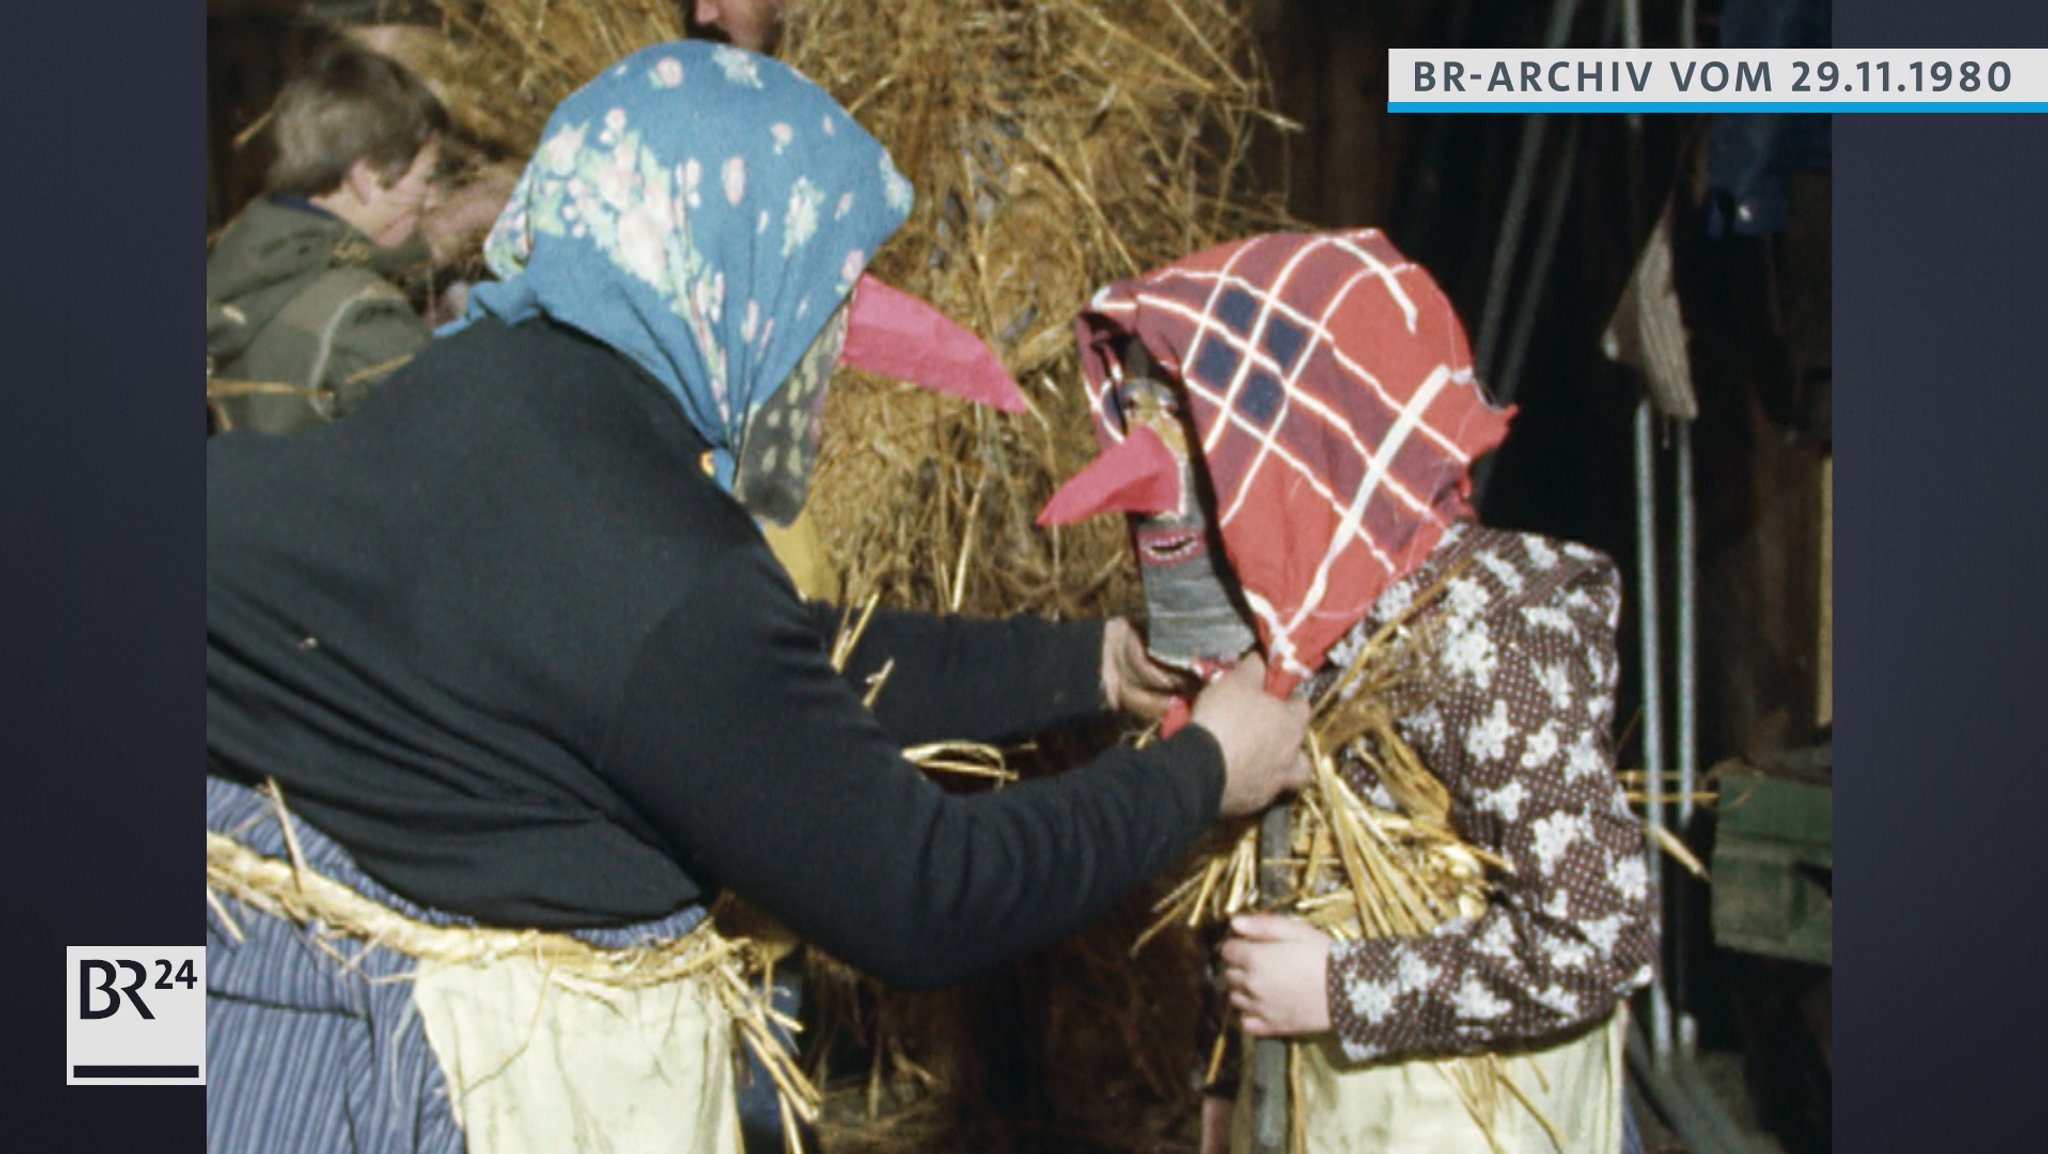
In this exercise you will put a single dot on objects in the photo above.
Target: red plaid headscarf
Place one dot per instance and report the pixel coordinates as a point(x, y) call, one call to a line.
point(1331, 385)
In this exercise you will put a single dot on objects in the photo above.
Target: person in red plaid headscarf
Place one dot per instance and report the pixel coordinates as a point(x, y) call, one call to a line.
point(1291, 421)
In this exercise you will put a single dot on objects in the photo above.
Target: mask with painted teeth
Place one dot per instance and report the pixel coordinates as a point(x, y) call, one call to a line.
point(1194, 618)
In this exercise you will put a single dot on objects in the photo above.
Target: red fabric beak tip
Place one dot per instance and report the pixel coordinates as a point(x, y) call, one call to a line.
point(1140, 475)
point(897, 335)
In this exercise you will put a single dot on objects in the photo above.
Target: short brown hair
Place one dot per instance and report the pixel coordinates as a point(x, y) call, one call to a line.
point(349, 104)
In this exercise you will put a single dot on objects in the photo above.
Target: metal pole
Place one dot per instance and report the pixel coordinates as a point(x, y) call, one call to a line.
point(1688, 726)
point(1684, 1100)
point(1667, 1071)
point(1653, 700)
point(1688, 631)
point(1632, 39)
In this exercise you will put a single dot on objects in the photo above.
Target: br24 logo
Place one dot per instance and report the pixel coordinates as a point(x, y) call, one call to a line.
point(90, 969)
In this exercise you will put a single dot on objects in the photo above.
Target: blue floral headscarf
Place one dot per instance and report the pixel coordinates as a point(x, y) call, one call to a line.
point(703, 210)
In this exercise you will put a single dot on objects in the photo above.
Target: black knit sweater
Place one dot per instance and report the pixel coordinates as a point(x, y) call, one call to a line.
point(498, 635)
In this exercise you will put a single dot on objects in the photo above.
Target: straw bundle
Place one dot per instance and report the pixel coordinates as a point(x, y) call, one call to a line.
point(1357, 869)
point(501, 66)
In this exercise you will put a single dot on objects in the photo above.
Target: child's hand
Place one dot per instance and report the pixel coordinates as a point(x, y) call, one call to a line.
point(1276, 968)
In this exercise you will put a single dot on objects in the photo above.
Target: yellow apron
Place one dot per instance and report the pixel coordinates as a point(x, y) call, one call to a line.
point(1414, 1107)
point(544, 1063)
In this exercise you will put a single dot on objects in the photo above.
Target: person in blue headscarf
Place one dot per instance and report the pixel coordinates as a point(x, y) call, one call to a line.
point(510, 649)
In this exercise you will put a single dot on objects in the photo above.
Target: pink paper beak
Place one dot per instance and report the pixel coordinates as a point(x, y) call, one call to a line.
point(897, 335)
point(1138, 475)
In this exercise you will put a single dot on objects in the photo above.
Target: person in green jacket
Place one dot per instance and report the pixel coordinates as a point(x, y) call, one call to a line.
point(303, 315)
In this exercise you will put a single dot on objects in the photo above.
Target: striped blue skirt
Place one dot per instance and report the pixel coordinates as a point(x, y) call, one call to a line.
point(310, 1054)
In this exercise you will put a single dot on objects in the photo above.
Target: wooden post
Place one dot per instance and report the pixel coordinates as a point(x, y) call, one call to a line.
point(1269, 1055)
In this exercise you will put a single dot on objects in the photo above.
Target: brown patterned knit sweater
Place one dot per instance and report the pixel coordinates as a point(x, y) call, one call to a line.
point(1518, 730)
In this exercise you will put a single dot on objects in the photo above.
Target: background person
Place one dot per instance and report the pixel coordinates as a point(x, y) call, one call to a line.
point(755, 25)
point(301, 285)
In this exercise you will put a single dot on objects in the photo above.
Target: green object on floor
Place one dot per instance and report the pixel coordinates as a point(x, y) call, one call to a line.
point(1773, 867)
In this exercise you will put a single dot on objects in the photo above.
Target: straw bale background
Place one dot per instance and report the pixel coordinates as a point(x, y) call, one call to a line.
point(1055, 146)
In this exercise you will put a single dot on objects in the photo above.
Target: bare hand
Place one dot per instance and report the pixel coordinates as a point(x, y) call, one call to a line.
point(1260, 735)
point(1131, 680)
point(1276, 969)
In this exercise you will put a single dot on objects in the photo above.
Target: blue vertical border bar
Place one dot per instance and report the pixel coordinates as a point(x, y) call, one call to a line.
point(102, 467)
point(1941, 405)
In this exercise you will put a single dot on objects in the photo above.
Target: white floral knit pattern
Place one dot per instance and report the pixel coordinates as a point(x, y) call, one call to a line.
point(1517, 729)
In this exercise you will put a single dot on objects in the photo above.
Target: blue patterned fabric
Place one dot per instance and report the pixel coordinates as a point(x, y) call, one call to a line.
point(702, 210)
point(307, 1054)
